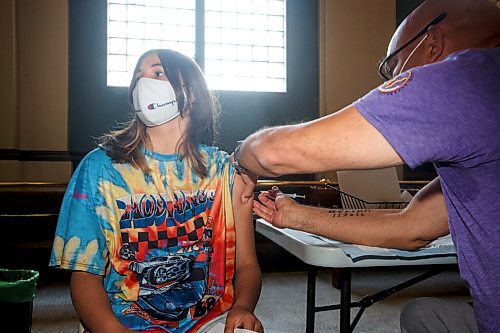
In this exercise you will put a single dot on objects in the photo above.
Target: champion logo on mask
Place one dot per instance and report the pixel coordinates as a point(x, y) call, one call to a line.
point(153, 106)
point(145, 97)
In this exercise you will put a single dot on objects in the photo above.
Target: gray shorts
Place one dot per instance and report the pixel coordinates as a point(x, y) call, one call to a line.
point(435, 315)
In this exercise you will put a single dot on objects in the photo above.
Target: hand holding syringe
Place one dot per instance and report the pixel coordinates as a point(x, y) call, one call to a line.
point(271, 206)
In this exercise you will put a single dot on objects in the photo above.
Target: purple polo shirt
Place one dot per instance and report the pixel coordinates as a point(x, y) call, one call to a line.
point(448, 113)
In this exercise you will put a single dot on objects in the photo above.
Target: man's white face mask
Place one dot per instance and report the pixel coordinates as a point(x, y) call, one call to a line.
point(411, 53)
point(154, 101)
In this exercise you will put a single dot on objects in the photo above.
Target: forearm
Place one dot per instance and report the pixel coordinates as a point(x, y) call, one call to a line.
point(247, 286)
point(424, 220)
point(381, 228)
point(92, 304)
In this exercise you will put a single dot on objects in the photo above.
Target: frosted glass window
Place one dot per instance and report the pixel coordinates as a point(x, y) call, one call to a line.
point(244, 40)
point(135, 26)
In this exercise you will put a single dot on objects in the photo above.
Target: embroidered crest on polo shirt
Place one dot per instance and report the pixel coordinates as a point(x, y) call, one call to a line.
point(396, 83)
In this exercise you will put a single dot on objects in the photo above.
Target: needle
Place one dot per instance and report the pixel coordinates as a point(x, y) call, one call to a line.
point(290, 195)
point(294, 195)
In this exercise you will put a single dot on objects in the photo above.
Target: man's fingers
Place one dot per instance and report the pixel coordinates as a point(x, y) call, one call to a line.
point(268, 194)
point(276, 191)
point(264, 212)
point(264, 209)
point(282, 199)
point(266, 201)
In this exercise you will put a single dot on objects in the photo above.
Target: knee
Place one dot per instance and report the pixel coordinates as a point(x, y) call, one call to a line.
point(416, 313)
point(432, 315)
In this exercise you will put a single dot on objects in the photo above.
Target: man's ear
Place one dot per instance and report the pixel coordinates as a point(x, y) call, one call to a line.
point(435, 43)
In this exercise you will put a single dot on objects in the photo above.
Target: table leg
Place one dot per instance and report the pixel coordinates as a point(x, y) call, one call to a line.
point(336, 274)
point(311, 299)
point(345, 301)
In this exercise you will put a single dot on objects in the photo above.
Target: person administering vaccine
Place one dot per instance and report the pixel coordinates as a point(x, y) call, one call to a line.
point(440, 105)
point(151, 225)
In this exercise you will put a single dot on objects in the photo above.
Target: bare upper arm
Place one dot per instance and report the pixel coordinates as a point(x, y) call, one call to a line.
point(243, 220)
point(343, 140)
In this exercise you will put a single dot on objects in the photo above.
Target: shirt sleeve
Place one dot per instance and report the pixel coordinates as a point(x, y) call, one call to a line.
point(428, 114)
point(79, 242)
point(231, 172)
point(223, 163)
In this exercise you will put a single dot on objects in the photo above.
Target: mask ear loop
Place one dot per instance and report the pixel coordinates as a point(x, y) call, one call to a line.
point(184, 96)
point(416, 47)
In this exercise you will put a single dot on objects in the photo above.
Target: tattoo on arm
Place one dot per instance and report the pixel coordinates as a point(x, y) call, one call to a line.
point(348, 212)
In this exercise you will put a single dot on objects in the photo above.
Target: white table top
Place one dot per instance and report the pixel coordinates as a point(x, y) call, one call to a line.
point(316, 251)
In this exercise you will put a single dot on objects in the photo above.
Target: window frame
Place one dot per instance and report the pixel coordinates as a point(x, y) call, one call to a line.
point(200, 45)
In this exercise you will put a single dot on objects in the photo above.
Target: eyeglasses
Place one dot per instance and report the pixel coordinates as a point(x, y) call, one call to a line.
point(384, 70)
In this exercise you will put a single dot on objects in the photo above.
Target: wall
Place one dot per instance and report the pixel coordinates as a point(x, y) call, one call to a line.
point(34, 48)
point(34, 60)
point(8, 135)
point(354, 35)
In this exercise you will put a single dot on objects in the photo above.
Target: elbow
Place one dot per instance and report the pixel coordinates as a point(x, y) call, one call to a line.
point(422, 230)
point(401, 243)
point(269, 150)
point(412, 238)
point(414, 244)
point(270, 166)
point(418, 236)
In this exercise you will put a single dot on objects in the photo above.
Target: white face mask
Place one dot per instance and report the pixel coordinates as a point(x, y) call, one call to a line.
point(154, 101)
point(408, 58)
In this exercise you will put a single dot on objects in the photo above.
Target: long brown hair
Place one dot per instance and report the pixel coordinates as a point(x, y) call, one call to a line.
point(193, 99)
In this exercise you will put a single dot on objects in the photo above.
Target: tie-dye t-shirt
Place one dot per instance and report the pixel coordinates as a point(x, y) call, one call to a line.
point(164, 242)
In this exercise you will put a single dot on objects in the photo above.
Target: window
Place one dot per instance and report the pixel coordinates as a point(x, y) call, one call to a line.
point(95, 107)
point(240, 44)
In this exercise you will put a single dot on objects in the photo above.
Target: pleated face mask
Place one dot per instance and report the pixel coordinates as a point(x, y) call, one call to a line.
point(154, 101)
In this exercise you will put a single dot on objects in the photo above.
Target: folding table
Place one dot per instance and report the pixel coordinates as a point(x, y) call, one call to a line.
point(321, 254)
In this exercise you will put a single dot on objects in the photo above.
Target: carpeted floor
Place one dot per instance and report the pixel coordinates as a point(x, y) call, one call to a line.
point(282, 303)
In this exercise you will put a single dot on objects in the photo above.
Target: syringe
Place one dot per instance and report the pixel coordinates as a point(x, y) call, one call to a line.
point(294, 195)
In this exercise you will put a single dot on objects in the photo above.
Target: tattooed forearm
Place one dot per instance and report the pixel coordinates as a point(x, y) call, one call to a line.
point(348, 212)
